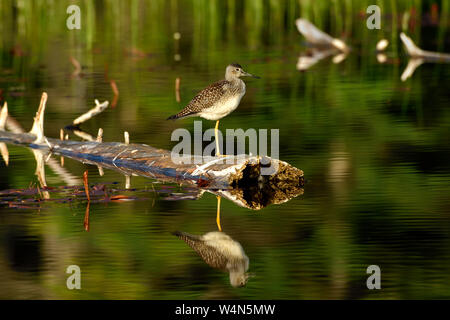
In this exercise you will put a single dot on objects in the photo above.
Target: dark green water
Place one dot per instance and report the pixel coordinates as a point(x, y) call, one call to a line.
point(375, 151)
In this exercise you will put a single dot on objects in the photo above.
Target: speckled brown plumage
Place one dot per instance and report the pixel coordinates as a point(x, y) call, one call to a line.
point(209, 254)
point(218, 99)
point(207, 98)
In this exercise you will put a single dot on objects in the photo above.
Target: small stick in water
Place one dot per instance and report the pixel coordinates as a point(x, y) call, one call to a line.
point(61, 137)
point(3, 116)
point(177, 89)
point(127, 137)
point(86, 217)
point(5, 153)
point(86, 186)
point(99, 107)
point(116, 93)
point(76, 65)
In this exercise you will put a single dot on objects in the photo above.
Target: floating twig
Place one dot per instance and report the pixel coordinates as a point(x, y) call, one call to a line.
point(83, 135)
point(86, 186)
point(177, 89)
point(317, 37)
point(116, 93)
point(61, 137)
point(99, 107)
point(126, 136)
point(86, 217)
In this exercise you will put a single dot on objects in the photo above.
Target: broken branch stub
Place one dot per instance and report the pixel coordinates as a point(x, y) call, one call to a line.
point(38, 124)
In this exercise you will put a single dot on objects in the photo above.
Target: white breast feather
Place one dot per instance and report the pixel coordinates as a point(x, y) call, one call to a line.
point(222, 108)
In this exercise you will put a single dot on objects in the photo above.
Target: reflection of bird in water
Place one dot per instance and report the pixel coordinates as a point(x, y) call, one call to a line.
point(220, 251)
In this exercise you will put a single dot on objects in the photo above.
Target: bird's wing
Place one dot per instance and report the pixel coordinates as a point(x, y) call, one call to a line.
point(209, 254)
point(207, 97)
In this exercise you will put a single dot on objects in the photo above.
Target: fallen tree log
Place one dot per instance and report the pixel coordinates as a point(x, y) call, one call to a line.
point(243, 174)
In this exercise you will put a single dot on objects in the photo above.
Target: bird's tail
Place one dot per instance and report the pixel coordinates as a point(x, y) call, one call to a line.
point(182, 114)
point(190, 239)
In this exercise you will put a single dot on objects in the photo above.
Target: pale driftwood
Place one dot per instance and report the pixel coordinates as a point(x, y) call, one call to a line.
point(177, 90)
point(16, 128)
point(99, 108)
point(419, 56)
point(99, 135)
point(317, 37)
point(76, 65)
point(413, 64)
point(83, 135)
point(382, 45)
point(3, 116)
point(38, 124)
point(3, 148)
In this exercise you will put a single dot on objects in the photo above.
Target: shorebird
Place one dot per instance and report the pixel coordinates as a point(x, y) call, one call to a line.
point(220, 251)
point(218, 99)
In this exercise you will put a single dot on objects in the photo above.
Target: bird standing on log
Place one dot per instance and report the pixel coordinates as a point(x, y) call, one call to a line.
point(218, 99)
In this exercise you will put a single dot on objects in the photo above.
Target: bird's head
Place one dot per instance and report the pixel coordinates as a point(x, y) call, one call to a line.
point(235, 71)
point(239, 280)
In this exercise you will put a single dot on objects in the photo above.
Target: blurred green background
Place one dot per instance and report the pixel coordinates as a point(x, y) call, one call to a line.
point(375, 150)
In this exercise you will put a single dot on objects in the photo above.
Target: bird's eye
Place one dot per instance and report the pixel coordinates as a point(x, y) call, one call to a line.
point(237, 69)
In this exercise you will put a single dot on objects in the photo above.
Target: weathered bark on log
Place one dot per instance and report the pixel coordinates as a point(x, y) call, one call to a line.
point(144, 160)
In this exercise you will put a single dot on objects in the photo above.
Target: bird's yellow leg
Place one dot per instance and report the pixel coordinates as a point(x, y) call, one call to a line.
point(217, 138)
point(216, 130)
point(218, 214)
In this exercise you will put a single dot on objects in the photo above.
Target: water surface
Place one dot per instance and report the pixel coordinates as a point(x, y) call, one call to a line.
point(374, 150)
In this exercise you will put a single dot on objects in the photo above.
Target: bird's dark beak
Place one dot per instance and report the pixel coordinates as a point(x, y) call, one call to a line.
point(246, 74)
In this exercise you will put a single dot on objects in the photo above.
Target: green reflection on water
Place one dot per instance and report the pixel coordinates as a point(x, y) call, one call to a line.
point(374, 149)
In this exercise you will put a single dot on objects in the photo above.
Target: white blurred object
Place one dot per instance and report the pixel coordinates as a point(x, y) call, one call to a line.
point(382, 45)
point(413, 64)
point(415, 52)
point(381, 58)
point(317, 37)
